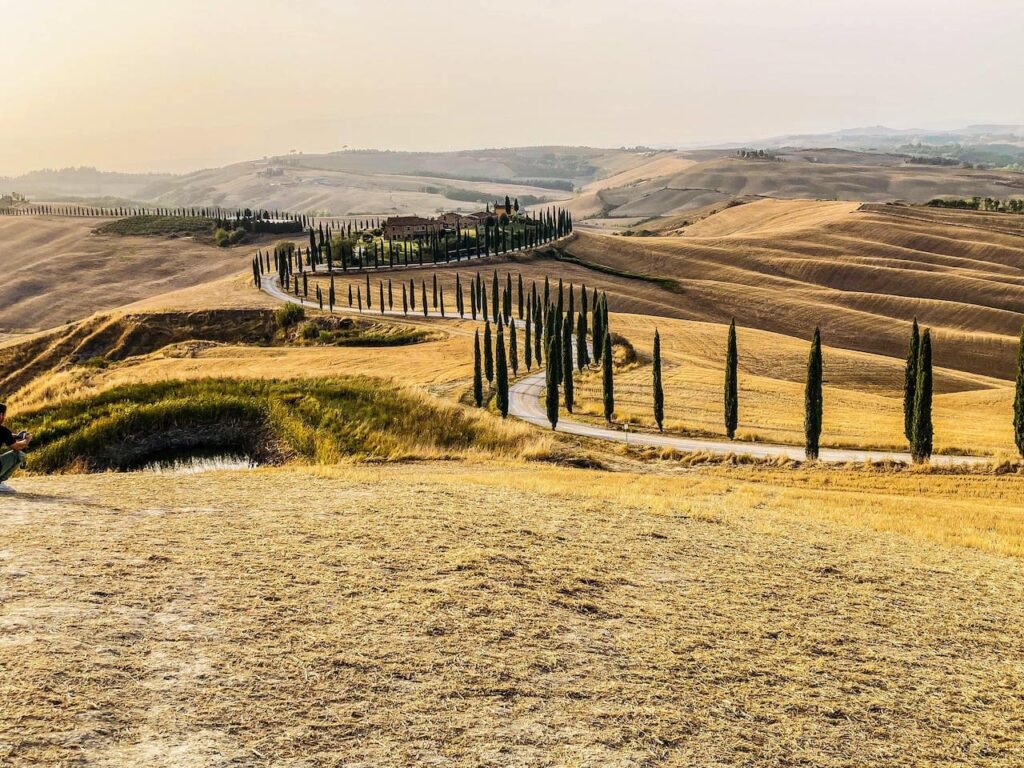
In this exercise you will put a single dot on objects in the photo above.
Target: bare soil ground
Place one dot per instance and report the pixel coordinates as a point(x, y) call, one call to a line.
point(507, 615)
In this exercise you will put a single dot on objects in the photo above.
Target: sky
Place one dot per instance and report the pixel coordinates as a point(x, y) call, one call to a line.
point(187, 84)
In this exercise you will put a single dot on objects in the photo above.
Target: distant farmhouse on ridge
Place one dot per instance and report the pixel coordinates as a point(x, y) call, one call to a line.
point(398, 227)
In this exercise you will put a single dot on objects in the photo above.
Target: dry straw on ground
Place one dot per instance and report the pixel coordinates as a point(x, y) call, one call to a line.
point(504, 615)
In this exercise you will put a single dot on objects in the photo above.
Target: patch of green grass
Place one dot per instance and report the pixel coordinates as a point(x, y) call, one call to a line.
point(316, 421)
point(162, 226)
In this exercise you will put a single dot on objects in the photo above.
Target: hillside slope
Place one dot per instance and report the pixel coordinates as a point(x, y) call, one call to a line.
point(863, 275)
point(56, 271)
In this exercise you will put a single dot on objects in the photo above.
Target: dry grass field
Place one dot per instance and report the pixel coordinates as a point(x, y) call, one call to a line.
point(714, 176)
point(56, 271)
point(472, 614)
point(499, 611)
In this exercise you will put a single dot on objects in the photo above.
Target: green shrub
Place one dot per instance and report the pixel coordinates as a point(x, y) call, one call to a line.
point(310, 331)
point(289, 315)
point(221, 238)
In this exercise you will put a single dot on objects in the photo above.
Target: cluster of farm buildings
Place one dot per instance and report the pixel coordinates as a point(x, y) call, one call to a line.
point(400, 227)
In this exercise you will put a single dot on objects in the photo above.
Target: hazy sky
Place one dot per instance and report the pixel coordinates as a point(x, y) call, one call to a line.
point(183, 84)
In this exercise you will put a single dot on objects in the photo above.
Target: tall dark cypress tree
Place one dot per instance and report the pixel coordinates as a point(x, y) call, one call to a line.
point(551, 383)
point(921, 444)
point(608, 385)
point(434, 277)
point(495, 297)
point(581, 341)
point(1018, 399)
point(813, 409)
point(520, 289)
point(391, 296)
point(369, 301)
point(567, 353)
point(423, 297)
point(405, 301)
point(538, 332)
point(508, 296)
point(910, 382)
point(659, 392)
point(478, 382)
point(488, 353)
point(513, 348)
point(382, 297)
point(501, 374)
point(527, 341)
point(732, 400)
point(598, 331)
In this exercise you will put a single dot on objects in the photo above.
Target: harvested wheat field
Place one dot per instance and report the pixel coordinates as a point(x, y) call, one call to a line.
point(56, 271)
point(472, 614)
point(863, 392)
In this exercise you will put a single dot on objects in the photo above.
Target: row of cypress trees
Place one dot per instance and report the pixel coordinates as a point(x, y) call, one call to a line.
point(560, 336)
point(445, 247)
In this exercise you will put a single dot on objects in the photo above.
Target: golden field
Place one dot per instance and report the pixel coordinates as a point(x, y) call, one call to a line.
point(512, 614)
point(500, 611)
point(56, 271)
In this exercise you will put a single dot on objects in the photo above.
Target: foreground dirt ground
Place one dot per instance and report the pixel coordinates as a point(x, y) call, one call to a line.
point(476, 614)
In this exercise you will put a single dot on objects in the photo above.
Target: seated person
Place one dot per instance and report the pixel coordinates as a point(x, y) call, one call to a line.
point(11, 460)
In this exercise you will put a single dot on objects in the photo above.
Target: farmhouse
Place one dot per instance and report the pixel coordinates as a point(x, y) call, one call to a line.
point(410, 226)
point(459, 220)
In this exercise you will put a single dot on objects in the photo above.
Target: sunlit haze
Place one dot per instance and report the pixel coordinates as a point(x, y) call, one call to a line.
point(182, 85)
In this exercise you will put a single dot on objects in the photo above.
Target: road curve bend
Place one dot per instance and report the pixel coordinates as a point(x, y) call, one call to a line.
point(524, 403)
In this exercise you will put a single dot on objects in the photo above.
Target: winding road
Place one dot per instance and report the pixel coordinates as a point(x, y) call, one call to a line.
point(525, 403)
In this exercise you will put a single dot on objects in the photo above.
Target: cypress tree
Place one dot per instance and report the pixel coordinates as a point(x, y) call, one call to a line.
point(441, 294)
point(359, 299)
point(520, 289)
point(551, 384)
point(495, 297)
point(538, 331)
point(412, 294)
point(405, 301)
point(508, 296)
point(1018, 399)
point(731, 384)
point(423, 296)
point(435, 290)
point(391, 299)
point(567, 350)
point(349, 295)
point(501, 373)
point(921, 444)
point(606, 379)
point(513, 348)
point(598, 330)
point(330, 295)
point(581, 341)
point(910, 382)
point(659, 392)
point(381, 287)
point(459, 306)
point(488, 353)
point(483, 300)
point(813, 399)
point(478, 384)
point(369, 301)
point(527, 341)
point(472, 299)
